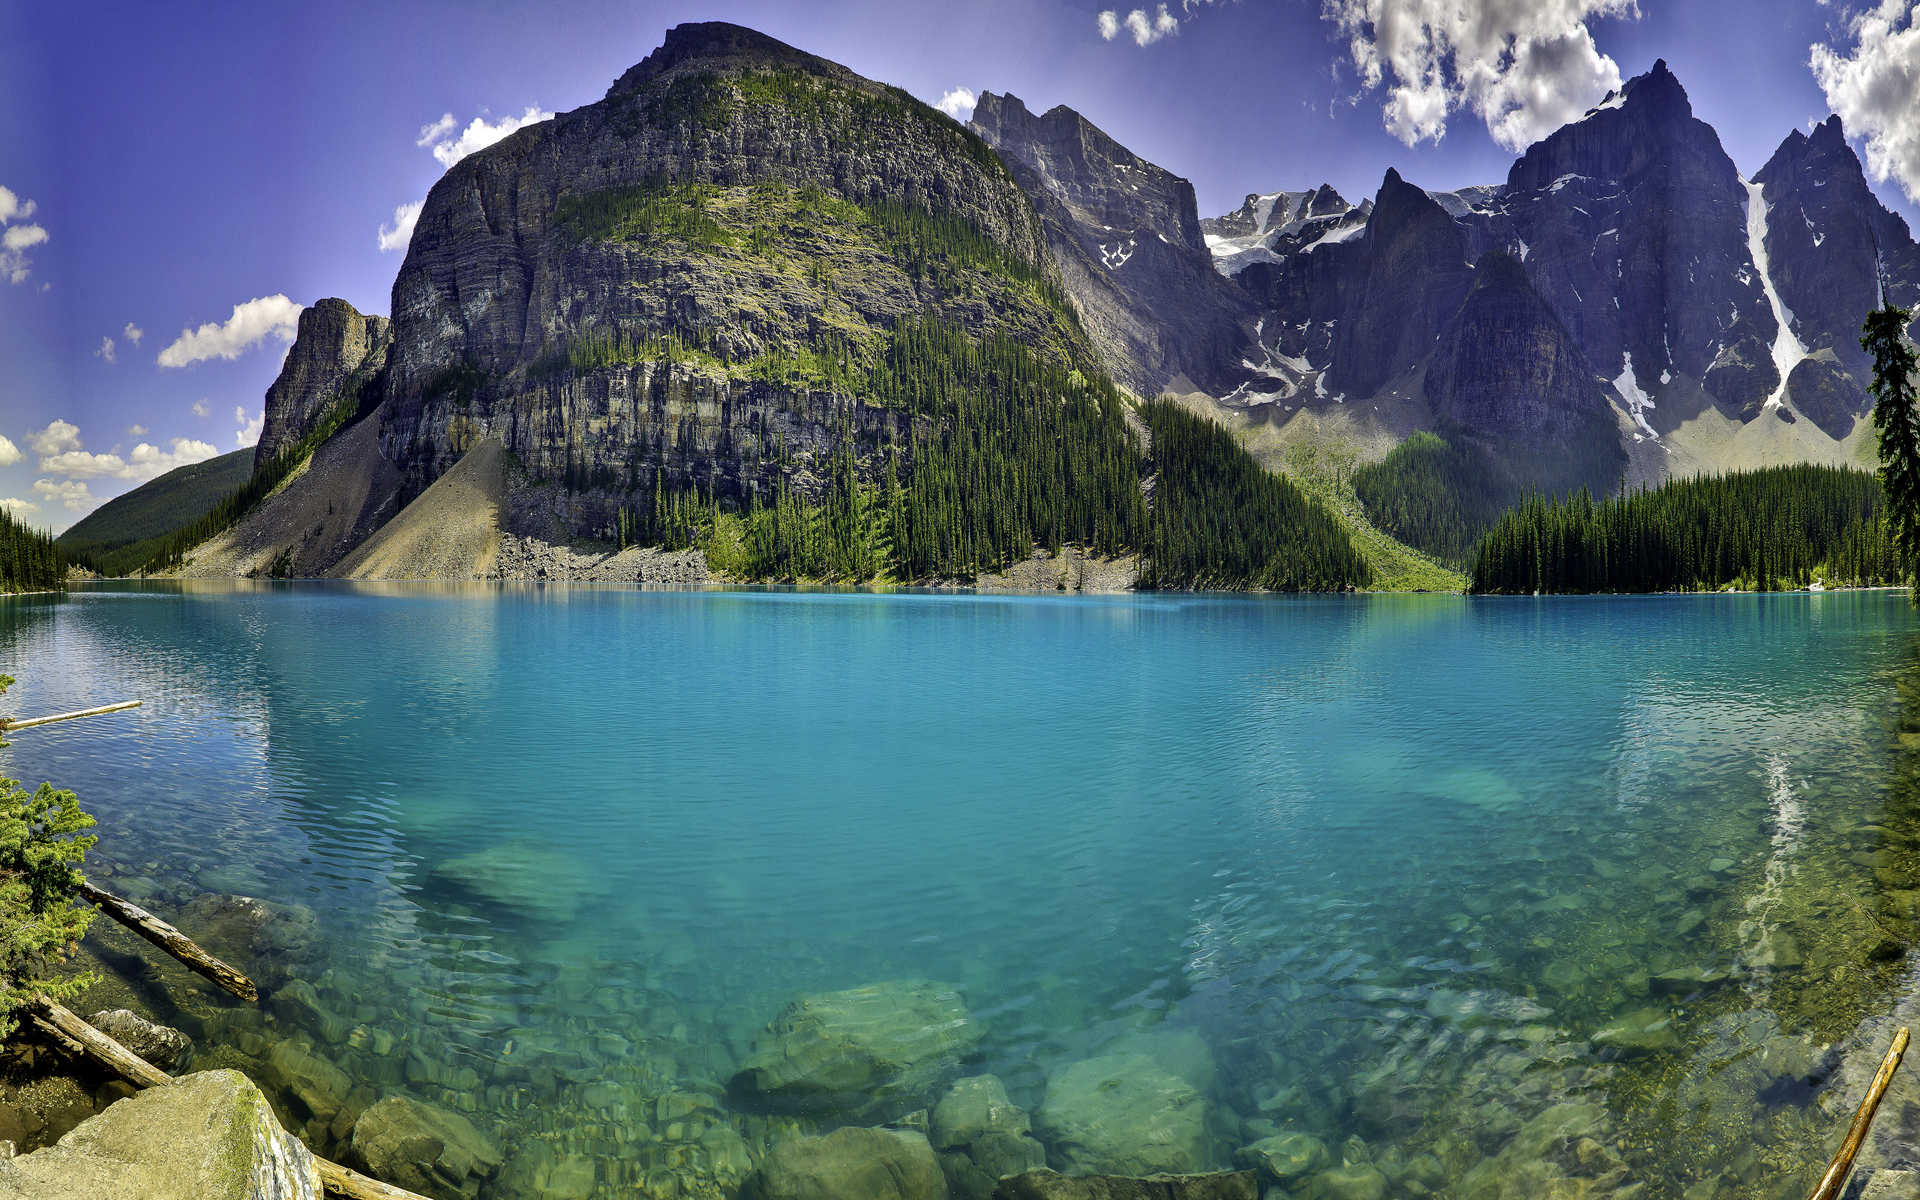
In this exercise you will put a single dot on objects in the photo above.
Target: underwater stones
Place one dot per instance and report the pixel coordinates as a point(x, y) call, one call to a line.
point(542, 1172)
point(973, 1108)
point(530, 878)
point(317, 1084)
point(850, 1164)
point(209, 1136)
point(1287, 1156)
point(1684, 981)
point(1563, 977)
point(158, 1044)
point(982, 1136)
point(877, 1051)
point(1353, 1181)
point(300, 1001)
point(1562, 1124)
point(1051, 1185)
point(1183, 1053)
point(242, 928)
point(1122, 1114)
point(1642, 1031)
point(422, 1147)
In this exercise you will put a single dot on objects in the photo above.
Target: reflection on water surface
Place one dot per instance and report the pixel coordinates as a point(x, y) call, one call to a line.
point(1386, 896)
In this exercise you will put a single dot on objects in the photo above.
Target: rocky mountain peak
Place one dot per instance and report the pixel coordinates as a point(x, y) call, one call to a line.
point(1102, 182)
point(699, 47)
point(334, 341)
point(1647, 125)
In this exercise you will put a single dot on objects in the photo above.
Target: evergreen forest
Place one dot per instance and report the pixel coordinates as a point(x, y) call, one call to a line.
point(29, 561)
point(1778, 527)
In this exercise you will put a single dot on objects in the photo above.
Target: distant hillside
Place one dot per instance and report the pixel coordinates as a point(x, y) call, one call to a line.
point(118, 528)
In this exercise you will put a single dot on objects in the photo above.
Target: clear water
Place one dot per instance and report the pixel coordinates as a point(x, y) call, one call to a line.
point(1395, 859)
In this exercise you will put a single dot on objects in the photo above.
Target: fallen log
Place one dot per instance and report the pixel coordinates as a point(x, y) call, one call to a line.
point(69, 1030)
point(96, 1045)
point(1842, 1164)
point(7, 726)
point(171, 940)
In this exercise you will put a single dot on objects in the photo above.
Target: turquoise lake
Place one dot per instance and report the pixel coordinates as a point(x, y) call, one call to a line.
point(1478, 883)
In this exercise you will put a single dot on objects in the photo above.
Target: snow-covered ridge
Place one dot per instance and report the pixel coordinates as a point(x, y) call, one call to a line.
point(1787, 350)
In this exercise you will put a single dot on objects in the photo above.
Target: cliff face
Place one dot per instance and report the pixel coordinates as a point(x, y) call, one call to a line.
point(333, 341)
point(667, 282)
point(1509, 372)
point(1127, 237)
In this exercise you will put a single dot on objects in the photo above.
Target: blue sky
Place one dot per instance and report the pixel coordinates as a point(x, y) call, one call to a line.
point(183, 159)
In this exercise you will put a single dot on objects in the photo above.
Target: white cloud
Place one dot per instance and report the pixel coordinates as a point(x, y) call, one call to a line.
point(957, 103)
point(1525, 67)
point(1148, 30)
point(106, 349)
point(136, 431)
point(249, 432)
point(57, 438)
point(144, 463)
point(14, 263)
point(201, 408)
point(13, 208)
point(1876, 89)
point(429, 134)
point(476, 136)
point(1109, 24)
point(19, 507)
point(251, 324)
point(405, 218)
point(134, 333)
point(74, 496)
point(9, 453)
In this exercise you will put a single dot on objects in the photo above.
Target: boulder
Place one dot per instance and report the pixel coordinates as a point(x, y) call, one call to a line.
point(876, 1052)
point(423, 1148)
point(1286, 1156)
point(1183, 1053)
point(163, 1047)
point(209, 1136)
point(850, 1164)
point(977, 1105)
point(1122, 1114)
point(529, 878)
point(1050, 1185)
point(539, 1170)
point(241, 929)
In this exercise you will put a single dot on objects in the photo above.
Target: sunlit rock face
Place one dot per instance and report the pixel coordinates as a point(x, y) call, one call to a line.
point(333, 342)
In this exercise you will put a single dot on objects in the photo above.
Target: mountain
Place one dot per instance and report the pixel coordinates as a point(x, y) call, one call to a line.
point(1128, 240)
point(753, 304)
point(120, 534)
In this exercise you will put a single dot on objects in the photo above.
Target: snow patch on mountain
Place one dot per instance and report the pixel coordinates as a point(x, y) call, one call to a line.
point(1638, 402)
point(1787, 350)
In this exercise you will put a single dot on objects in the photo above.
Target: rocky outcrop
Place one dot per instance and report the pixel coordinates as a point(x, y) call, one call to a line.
point(873, 1052)
point(614, 345)
point(1127, 237)
point(981, 1137)
point(209, 1136)
point(334, 344)
point(1826, 393)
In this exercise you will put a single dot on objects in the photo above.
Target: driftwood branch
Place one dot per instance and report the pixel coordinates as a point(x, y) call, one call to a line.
point(69, 1030)
point(96, 1045)
point(171, 940)
point(339, 1181)
point(1842, 1164)
point(7, 726)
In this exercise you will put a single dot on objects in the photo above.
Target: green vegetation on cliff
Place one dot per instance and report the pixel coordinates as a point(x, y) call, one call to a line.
point(1767, 529)
point(1434, 495)
point(29, 561)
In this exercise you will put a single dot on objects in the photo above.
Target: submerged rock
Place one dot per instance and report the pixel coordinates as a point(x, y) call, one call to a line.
point(1286, 1156)
point(1642, 1031)
point(879, 1051)
point(532, 878)
point(423, 1148)
point(850, 1164)
point(540, 1170)
point(209, 1136)
point(1352, 1181)
point(319, 1086)
point(982, 1136)
point(241, 929)
point(158, 1044)
point(1050, 1185)
point(1123, 1114)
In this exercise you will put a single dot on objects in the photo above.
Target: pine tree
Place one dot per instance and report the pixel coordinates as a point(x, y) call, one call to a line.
point(1884, 337)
